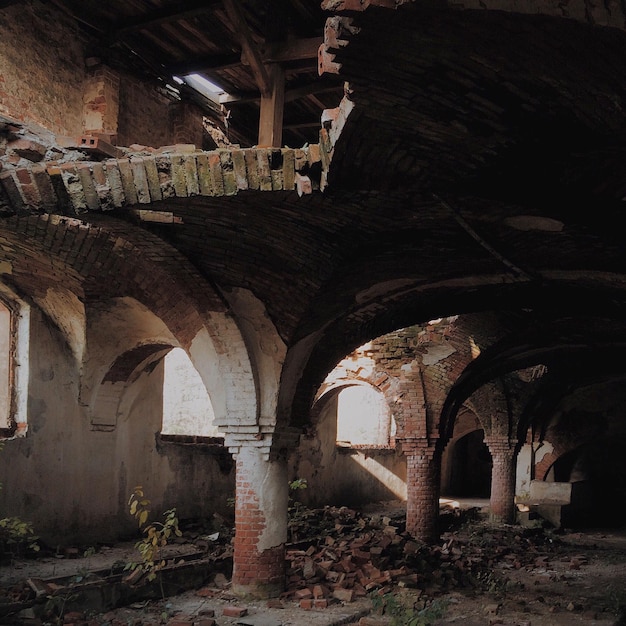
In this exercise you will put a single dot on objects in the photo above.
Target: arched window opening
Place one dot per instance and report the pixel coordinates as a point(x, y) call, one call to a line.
point(5, 368)
point(363, 418)
point(187, 408)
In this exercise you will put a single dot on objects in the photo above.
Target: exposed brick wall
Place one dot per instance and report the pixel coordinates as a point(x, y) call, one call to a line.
point(186, 124)
point(542, 468)
point(144, 115)
point(255, 572)
point(44, 78)
point(414, 372)
point(502, 501)
point(41, 67)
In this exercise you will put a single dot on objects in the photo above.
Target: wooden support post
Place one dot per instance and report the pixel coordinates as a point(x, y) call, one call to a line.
point(272, 105)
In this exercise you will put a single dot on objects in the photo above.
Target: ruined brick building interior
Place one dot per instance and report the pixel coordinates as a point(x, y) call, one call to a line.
point(373, 244)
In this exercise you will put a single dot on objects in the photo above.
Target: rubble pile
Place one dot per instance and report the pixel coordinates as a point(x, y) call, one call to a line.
point(349, 556)
point(339, 557)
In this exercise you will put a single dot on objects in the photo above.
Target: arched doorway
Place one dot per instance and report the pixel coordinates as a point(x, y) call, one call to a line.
point(470, 467)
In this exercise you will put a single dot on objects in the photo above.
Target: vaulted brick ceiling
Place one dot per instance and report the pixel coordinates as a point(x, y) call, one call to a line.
point(481, 168)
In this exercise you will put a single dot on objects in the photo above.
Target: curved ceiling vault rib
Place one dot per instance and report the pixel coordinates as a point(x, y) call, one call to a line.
point(553, 388)
point(494, 363)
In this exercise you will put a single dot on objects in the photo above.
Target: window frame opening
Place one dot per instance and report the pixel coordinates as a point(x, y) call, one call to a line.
point(14, 341)
point(379, 419)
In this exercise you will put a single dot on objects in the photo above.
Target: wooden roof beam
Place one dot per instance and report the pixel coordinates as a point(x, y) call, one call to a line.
point(291, 50)
point(296, 93)
point(272, 108)
point(248, 46)
point(276, 52)
point(162, 16)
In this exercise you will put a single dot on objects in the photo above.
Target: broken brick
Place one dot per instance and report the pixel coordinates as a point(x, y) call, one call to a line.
point(301, 594)
point(28, 149)
point(343, 595)
point(234, 611)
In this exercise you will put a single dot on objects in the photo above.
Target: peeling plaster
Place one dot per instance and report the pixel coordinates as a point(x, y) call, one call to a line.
point(542, 450)
point(65, 309)
point(268, 480)
point(434, 354)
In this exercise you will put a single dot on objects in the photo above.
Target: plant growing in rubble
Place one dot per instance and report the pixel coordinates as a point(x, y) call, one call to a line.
point(403, 611)
point(296, 511)
point(16, 534)
point(157, 536)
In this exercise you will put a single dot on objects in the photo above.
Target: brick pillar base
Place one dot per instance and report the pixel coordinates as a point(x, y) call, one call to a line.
point(502, 503)
point(423, 471)
point(260, 525)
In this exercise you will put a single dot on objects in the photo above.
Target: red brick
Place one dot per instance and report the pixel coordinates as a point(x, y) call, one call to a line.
point(234, 611)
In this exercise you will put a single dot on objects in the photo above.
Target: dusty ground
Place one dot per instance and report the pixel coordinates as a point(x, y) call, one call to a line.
point(477, 575)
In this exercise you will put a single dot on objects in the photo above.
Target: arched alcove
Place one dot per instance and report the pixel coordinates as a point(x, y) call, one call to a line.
point(597, 474)
point(470, 467)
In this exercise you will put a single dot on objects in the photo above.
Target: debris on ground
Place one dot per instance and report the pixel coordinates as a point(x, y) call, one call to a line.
point(350, 568)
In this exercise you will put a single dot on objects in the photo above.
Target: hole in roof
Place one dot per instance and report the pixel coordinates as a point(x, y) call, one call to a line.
point(201, 85)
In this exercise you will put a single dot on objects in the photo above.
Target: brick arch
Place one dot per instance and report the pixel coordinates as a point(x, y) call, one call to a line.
point(105, 407)
point(386, 385)
point(104, 262)
point(467, 422)
point(140, 180)
point(542, 468)
point(490, 405)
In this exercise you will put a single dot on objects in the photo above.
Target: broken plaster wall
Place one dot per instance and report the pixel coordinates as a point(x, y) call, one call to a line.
point(341, 476)
point(72, 482)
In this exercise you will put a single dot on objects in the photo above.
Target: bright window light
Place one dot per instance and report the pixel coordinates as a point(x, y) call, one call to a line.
point(203, 85)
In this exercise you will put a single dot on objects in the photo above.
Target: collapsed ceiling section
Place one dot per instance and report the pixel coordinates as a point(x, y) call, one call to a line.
point(227, 56)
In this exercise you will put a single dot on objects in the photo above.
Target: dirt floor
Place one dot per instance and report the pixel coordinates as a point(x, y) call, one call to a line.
point(359, 567)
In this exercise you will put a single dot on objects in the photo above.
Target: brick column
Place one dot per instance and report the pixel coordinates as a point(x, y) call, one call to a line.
point(503, 454)
point(423, 471)
point(101, 102)
point(260, 525)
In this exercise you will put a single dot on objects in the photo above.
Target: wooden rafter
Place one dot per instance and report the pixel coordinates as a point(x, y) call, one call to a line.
point(291, 95)
point(162, 16)
point(248, 46)
point(276, 52)
point(291, 50)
